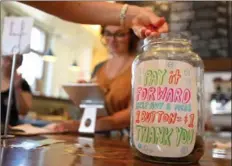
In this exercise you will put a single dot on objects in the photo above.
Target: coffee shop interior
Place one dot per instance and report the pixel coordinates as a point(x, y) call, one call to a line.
point(64, 53)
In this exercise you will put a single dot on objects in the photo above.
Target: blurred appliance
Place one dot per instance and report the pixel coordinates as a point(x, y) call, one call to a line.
point(220, 104)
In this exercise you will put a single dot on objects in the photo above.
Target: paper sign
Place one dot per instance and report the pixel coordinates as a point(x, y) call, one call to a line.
point(16, 35)
point(165, 112)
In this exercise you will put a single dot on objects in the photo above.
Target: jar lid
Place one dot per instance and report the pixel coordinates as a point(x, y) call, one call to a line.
point(180, 37)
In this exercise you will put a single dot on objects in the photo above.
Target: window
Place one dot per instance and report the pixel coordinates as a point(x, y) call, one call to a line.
point(32, 65)
point(31, 68)
point(38, 40)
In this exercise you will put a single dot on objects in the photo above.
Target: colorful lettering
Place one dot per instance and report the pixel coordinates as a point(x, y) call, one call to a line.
point(168, 107)
point(184, 136)
point(154, 77)
point(177, 96)
point(154, 135)
point(151, 92)
point(186, 96)
point(174, 77)
point(156, 117)
point(137, 117)
point(183, 107)
point(170, 95)
point(192, 117)
point(163, 112)
point(161, 93)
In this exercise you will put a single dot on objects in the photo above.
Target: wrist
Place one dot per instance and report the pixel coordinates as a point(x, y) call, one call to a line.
point(131, 13)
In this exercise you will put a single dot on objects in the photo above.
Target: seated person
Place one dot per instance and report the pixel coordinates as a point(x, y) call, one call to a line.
point(114, 78)
point(21, 101)
point(21, 97)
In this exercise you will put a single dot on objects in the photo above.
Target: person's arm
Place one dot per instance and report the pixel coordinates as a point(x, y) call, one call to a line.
point(23, 96)
point(86, 12)
point(24, 101)
point(143, 21)
point(117, 121)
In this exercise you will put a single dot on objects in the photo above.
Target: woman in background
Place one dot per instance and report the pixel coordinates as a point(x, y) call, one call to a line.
point(114, 78)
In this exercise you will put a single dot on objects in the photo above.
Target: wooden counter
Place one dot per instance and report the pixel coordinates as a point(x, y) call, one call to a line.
point(76, 150)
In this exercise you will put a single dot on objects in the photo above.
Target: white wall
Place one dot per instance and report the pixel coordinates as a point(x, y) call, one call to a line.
point(76, 44)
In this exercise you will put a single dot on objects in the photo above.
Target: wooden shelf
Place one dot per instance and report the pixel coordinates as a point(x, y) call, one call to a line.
point(218, 64)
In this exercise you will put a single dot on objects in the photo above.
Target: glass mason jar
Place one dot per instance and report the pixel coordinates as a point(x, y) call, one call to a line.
point(167, 122)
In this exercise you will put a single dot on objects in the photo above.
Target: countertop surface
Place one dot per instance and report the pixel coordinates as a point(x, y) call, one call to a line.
point(101, 150)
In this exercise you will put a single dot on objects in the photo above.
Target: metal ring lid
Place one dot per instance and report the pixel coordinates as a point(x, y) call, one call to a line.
point(181, 37)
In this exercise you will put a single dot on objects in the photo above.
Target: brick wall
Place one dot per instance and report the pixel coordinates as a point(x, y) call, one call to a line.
point(206, 24)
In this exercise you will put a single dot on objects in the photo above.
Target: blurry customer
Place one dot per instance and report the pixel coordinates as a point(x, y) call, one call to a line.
point(21, 98)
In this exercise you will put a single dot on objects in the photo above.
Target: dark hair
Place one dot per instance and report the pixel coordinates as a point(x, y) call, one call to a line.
point(133, 43)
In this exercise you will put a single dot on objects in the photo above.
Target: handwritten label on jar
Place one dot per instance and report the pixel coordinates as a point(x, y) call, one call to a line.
point(165, 112)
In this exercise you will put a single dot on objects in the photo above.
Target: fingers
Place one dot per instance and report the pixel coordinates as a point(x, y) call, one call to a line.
point(148, 33)
point(55, 127)
point(159, 23)
point(139, 31)
point(50, 126)
point(142, 32)
point(148, 24)
point(159, 27)
point(60, 128)
point(163, 28)
point(156, 34)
